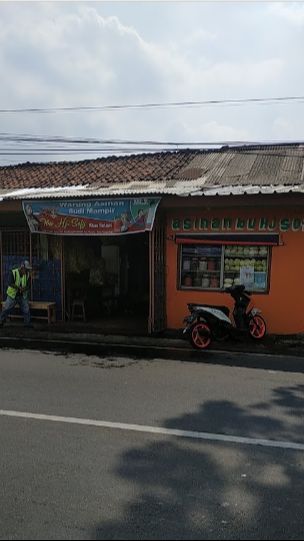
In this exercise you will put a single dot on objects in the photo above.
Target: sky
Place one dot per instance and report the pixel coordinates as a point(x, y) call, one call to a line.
point(96, 54)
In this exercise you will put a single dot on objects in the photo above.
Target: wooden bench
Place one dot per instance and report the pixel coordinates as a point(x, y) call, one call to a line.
point(43, 306)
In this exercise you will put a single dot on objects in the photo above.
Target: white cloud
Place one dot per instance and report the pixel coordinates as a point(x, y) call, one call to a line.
point(251, 74)
point(290, 11)
point(69, 54)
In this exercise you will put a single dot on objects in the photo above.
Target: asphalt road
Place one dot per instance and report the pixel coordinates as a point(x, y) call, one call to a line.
point(119, 448)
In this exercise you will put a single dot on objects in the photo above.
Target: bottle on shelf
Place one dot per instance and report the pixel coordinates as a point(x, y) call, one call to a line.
point(187, 280)
point(211, 264)
point(203, 264)
point(205, 281)
point(186, 264)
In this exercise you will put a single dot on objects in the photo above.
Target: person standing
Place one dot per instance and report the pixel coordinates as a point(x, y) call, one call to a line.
point(18, 293)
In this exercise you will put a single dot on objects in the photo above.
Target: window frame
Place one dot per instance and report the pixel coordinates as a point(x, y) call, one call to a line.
point(222, 245)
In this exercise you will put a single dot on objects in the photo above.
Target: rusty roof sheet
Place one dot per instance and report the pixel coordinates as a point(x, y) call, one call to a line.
point(246, 169)
point(261, 166)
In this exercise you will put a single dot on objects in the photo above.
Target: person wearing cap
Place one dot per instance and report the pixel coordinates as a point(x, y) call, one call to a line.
point(17, 293)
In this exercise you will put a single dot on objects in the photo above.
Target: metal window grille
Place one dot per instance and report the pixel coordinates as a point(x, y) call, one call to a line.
point(16, 243)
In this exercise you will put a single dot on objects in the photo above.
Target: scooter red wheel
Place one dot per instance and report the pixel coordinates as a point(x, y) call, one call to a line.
point(200, 335)
point(257, 327)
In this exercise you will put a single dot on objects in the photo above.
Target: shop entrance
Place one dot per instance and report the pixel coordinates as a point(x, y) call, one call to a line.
point(107, 282)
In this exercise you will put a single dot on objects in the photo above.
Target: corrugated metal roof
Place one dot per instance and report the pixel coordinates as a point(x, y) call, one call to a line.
point(253, 166)
point(237, 170)
point(184, 189)
point(251, 190)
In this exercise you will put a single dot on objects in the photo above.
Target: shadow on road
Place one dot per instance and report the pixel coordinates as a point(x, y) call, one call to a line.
point(188, 489)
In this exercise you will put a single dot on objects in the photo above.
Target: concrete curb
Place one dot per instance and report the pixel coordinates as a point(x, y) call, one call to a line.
point(291, 360)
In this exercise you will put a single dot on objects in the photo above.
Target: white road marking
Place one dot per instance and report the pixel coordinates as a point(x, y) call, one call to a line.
point(155, 430)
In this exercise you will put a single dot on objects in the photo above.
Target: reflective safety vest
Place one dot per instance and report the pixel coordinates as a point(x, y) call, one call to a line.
point(20, 281)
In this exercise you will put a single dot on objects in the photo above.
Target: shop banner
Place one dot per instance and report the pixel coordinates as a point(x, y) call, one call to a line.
point(91, 217)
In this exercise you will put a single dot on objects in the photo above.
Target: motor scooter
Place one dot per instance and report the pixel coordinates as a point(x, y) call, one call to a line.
point(211, 322)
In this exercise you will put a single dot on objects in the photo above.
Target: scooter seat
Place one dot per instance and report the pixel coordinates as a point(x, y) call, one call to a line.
point(224, 309)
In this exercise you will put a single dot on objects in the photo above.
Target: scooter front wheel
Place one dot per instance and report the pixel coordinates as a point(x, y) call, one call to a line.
point(257, 327)
point(200, 335)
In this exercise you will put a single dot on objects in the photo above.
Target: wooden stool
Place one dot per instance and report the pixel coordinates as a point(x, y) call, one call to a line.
point(78, 309)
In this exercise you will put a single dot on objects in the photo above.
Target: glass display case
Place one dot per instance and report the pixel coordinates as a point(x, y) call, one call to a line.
point(201, 267)
point(210, 267)
point(246, 265)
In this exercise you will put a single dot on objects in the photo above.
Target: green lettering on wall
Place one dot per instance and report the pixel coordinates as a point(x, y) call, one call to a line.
point(187, 223)
point(196, 223)
point(227, 223)
point(296, 224)
point(175, 224)
point(204, 223)
point(215, 223)
point(240, 223)
point(284, 224)
point(263, 223)
point(272, 224)
point(251, 223)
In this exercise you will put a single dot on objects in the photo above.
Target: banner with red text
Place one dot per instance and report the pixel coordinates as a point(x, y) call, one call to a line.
point(91, 217)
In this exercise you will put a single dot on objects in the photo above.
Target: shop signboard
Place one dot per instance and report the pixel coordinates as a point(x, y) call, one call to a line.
point(241, 224)
point(91, 216)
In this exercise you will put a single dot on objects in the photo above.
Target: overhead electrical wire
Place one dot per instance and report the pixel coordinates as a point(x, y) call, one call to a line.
point(63, 145)
point(78, 152)
point(156, 105)
point(6, 137)
point(25, 138)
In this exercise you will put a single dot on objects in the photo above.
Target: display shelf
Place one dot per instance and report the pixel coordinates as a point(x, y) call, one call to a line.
point(193, 257)
point(238, 271)
point(240, 256)
point(200, 271)
point(199, 288)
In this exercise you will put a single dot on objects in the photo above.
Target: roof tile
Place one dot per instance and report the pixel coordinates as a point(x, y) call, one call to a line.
point(255, 165)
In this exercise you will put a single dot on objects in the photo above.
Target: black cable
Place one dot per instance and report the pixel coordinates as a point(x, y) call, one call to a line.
point(228, 102)
point(24, 138)
point(42, 152)
point(144, 150)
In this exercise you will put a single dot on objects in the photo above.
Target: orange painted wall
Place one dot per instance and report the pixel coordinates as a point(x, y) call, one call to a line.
point(282, 306)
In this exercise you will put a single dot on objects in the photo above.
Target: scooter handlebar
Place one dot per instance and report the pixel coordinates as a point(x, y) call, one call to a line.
point(237, 289)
